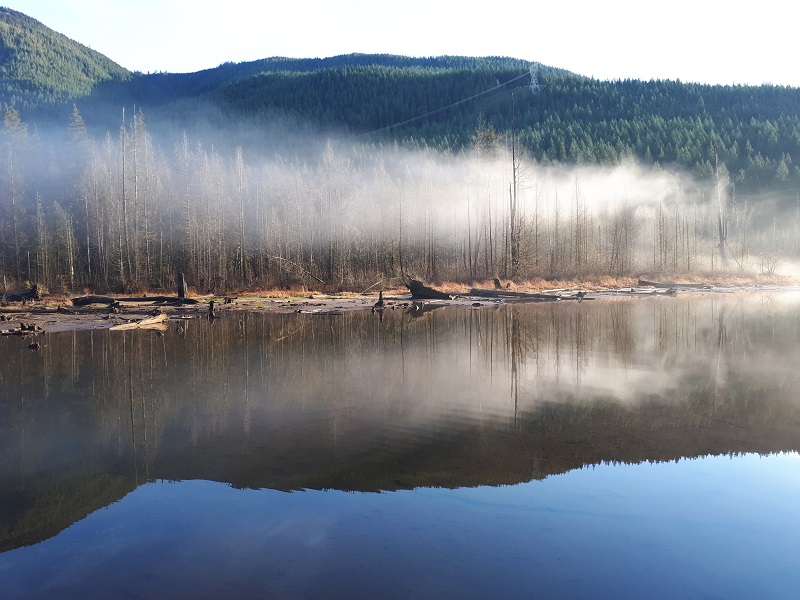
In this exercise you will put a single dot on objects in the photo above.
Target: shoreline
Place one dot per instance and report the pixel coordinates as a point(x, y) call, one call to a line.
point(52, 315)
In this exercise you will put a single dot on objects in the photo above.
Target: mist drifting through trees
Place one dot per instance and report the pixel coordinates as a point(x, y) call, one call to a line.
point(125, 213)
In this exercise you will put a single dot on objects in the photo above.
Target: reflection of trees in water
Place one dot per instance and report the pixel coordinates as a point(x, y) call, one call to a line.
point(558, 351)
point(455, 397)
point(136, 395)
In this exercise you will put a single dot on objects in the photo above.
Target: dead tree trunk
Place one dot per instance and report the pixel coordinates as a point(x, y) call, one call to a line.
point(181, 286)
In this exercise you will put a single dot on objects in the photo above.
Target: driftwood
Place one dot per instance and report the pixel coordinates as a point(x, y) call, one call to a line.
point(24, 329)
point(672, 286)
point(158, 322)
point(417, 309)
point(26, 296)
point(638, 291)
point(484, 293)
point(15, 331)
point(87, 300)
point(421, 291)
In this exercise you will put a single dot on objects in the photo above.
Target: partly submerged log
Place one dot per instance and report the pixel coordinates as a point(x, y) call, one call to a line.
point(24, 329)
point(417, 309)
point(484, 293)
point(158, 322)
point(172, 300)
point(421, 291)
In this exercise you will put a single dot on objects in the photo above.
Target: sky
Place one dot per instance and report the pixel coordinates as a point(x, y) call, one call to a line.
point(706, 41)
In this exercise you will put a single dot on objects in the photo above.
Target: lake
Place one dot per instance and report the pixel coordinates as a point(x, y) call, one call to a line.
point(615, 448)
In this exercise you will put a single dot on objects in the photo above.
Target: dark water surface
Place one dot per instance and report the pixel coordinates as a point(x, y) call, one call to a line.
point(623, 448)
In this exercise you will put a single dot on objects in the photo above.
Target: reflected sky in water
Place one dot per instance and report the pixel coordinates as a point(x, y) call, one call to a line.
point(613, 448)
point(716, 527)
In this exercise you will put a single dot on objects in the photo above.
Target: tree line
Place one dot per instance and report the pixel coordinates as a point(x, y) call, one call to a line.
point(123, 213)
point(426, 103)
point(755, 131)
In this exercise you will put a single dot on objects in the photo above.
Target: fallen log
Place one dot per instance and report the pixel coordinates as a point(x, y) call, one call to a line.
point(423, 292)
point(640, 291)
point(417, 309)
point(484, 293)
point(668, 285)
point(158, 322)
point(172, 300)
point(24, 329)
point(15, 331)
point(26, 296)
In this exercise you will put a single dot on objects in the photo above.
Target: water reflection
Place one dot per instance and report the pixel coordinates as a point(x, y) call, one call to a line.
point(451, 398)
point(705, 528)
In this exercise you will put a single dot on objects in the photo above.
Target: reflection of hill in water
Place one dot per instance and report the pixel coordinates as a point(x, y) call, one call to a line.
point(36, 509)
point(455, 398)
point(550, 441)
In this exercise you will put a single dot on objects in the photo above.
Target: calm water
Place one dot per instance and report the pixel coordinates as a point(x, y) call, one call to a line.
point(609, 449)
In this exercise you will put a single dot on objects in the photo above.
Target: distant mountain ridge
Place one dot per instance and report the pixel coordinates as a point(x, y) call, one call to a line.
point(434, 102)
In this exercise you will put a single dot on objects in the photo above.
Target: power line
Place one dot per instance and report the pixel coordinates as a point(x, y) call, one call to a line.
point(438, 110)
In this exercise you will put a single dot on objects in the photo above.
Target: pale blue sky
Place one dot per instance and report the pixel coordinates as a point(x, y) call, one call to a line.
point(705, 41)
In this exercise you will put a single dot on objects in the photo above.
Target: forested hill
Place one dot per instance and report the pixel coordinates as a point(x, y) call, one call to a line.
point(437, 102)
point(39, 66)
point(755, 131)
point(284, 171)
point(421, 102)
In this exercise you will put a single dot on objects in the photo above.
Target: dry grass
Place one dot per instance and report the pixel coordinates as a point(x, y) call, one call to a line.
point(456, 287)
point(529, 285)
